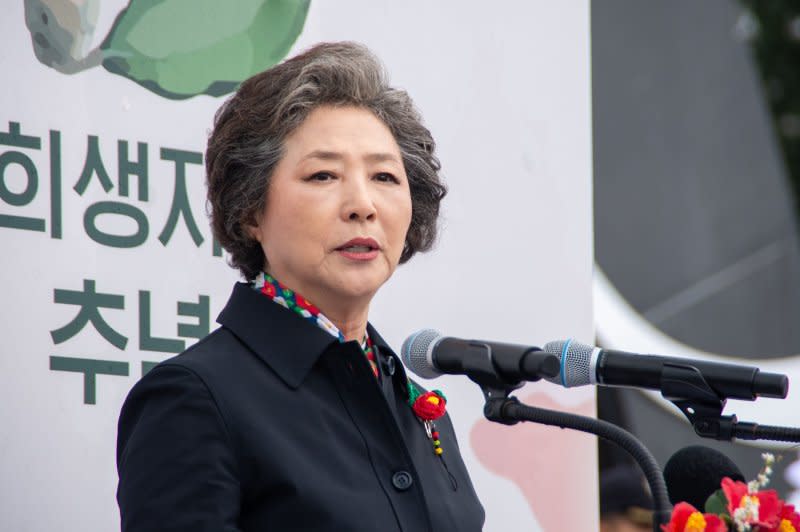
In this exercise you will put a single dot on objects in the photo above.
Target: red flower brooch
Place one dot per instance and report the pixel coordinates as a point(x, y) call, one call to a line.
point(428, 406)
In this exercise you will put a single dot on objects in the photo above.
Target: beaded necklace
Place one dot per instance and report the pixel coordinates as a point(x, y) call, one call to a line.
point(428, 406)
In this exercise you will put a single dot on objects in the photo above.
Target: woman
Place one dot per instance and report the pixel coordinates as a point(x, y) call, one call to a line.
point(296, 415)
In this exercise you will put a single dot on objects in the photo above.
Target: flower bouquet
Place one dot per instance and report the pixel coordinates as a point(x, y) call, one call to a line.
point(738, 506)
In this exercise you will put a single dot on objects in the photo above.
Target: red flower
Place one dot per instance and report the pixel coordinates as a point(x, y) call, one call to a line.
point(788, 513)
point(769, 505)
point(788, 520)
point(268, 290)
point(686, 518)
point(429, 406)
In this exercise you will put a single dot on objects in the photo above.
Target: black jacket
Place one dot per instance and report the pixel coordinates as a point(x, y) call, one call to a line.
point(269, 423)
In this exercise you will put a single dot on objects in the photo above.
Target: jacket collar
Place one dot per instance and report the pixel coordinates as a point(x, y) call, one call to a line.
point(287, 343)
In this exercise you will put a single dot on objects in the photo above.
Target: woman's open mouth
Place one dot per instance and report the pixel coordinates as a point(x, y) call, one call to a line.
point(360, 249)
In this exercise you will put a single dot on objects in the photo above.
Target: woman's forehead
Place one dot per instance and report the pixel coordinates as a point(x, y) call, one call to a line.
point(330, 133)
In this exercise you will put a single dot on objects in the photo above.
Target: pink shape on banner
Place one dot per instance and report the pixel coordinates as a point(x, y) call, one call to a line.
point(554, 468)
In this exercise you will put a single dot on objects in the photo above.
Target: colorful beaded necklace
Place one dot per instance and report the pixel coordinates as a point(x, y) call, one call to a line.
point(428, 406)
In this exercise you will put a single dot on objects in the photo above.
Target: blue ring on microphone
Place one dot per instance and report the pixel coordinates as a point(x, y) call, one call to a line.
point(564, 351)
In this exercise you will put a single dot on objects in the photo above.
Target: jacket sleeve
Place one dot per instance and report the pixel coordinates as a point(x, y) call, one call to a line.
point(177, 470)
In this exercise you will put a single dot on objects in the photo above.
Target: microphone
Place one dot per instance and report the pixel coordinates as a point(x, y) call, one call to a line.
point(429, 354)
point(694, 473)
point(583, 364)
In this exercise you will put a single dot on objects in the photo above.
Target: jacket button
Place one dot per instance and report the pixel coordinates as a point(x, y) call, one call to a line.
point(402, 480)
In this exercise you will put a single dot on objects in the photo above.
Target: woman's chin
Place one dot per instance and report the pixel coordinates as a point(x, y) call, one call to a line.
point(359, 286)
point(358, 293)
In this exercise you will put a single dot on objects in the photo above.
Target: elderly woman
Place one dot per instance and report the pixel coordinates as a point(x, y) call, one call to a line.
point(295, 414)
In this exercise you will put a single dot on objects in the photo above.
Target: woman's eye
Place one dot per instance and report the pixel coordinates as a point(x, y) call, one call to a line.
point(320, 176)
point(386, 178)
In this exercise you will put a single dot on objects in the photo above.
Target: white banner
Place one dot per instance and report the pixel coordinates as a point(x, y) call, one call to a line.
point(109, 265)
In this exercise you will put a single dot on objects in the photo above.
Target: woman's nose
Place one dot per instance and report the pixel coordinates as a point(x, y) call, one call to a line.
point(358, 203)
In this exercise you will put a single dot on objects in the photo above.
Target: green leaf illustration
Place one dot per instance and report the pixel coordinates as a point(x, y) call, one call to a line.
point(182, 48)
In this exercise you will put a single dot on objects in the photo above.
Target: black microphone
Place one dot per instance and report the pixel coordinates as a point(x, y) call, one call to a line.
point(429, 354)
point(694, 473)
point(585, 364)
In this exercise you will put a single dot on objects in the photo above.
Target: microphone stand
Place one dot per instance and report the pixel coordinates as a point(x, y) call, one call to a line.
point(509, 411)
point(685, 387)
point(501, 408)
point(681, 384)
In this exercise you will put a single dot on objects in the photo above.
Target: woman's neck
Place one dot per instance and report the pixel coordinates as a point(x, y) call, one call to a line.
point(350, 319)
point(352, 329)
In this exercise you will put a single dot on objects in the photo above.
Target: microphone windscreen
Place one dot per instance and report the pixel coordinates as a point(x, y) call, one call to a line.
point(694, 473)
point(416, 353)
point(576, 361)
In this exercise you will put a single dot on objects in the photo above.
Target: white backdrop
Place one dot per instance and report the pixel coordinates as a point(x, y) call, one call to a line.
point(505, 89)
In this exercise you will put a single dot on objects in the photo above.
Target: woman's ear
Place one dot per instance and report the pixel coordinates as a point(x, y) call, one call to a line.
point(253, 231)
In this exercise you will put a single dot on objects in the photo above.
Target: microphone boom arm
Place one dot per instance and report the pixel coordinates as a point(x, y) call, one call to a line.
point(685, 387)
point(481, 365)
point(508, 410)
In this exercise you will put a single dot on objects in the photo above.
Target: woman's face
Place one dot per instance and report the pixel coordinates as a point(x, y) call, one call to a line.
point(338, 207)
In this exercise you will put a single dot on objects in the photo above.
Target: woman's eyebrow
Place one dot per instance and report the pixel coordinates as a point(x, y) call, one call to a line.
point(324, 155)
point(381, 157)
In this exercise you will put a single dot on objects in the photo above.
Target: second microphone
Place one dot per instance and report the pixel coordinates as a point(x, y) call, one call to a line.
point(429, 354)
